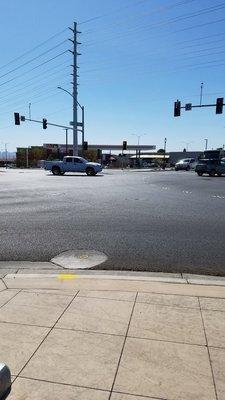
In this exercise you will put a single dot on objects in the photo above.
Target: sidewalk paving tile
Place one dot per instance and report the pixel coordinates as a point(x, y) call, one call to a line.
point(218, 364)
point(168, 300)
point(34, 309)
point(165, 370)
point(17, 344)
point(214, 322)
point(121, 396)
point(28, 389)
point(212, 304)
point(97, 315)
point(2, 286)
point(6, 295)
point(108, 294)
point(76, 358)
point(167, 323)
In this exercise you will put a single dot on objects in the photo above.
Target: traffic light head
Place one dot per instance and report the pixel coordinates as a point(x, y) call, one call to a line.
point(124, 145)
point(45, 123)
point(177, 107)
point(17, 118)
point(219, 105)
point(85, 146)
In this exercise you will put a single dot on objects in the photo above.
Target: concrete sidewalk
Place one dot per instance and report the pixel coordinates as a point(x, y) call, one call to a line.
point(93, 336)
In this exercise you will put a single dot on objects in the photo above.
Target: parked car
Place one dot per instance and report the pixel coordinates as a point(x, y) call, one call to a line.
point(185, 164)
point(73, 164)
point(211, 167)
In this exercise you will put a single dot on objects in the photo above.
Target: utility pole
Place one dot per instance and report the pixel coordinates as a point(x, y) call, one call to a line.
point(201, 91)
point(27, 156)
point(75, 85)
point(6, 156)
point(66, 130)
point(206, 144)
point(82, 109)
point(29, 110)
point(164, 158)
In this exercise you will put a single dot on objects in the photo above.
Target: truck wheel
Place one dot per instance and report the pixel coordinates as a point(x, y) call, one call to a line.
point(90, 171)
point(199, 173)
point(212, 173)
point(56, 170)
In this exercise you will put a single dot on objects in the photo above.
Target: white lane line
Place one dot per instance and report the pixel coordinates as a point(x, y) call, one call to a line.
point(218, 197)
point(186, 192)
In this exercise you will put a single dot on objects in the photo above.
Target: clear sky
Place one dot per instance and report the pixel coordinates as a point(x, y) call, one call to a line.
point(138, 56)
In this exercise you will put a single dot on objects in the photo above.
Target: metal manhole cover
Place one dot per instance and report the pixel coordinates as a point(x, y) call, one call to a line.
point(79, 259)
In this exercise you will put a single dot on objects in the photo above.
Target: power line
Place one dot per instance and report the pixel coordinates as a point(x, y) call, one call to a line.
point(110, 13)
point(33, 49)
point(37, 66)
point(140, 28)
point(33, 59)
point(42, 74)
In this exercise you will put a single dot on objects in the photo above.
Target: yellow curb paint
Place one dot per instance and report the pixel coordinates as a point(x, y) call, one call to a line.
point(66, 277)
point(83, 257)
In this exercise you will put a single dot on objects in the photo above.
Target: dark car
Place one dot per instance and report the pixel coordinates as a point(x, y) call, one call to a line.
point(210, 167)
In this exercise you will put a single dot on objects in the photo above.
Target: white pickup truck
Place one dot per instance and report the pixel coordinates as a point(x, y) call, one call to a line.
point(73, 164)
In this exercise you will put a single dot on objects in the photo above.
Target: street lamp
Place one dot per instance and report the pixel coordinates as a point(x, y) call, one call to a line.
point(138, 144)
point(82, 110)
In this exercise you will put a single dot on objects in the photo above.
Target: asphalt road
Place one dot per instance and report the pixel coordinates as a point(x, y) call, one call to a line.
point(156, 221)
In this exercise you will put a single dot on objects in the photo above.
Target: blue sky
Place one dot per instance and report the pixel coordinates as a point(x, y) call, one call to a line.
point(137, 58)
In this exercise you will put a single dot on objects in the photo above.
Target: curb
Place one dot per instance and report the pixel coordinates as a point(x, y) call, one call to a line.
point(184, 279)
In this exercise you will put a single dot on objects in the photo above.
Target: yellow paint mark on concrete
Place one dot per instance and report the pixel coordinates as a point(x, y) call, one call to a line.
point(83, 257)
point(66, 277)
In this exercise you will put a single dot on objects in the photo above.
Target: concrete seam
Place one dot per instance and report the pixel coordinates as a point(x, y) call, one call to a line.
point(207, 346)
point(8, 301)
point(123, 346)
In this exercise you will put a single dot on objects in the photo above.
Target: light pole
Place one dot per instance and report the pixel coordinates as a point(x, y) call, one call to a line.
point(164, 158)
point(6, 156)
point(82, 110)
point(138, 144)
point(66, 130)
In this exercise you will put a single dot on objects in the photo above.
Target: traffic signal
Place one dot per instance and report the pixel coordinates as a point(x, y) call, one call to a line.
point(177, 107)
point(124, 145)
point(45, 123)
point(85, 146)
point(99, 154)
point(219, 105)
point(17, 118)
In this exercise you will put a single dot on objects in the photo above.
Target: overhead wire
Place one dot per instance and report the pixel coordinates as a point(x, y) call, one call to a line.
point(34, 48)
point(32, 69)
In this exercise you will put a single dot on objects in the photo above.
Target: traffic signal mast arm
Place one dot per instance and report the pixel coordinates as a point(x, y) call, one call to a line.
point(22, 118)
point(188, 107)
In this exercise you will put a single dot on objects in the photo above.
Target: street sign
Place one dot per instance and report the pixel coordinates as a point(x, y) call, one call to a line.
point(188, 107)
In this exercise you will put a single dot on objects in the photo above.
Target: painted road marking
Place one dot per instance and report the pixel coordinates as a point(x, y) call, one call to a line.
point(66, 277)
